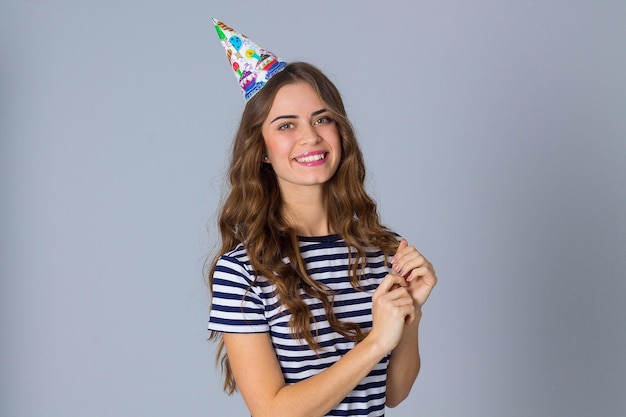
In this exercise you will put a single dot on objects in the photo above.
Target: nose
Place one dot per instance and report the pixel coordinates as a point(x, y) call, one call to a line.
point(310, 136)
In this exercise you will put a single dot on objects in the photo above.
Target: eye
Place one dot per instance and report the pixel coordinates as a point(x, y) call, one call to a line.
point(323, 120)
point(286, 126)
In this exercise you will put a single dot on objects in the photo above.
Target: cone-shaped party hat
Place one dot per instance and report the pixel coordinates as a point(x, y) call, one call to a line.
point(253, 66)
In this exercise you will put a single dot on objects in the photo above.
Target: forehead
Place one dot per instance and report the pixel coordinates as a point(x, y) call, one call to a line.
point(295, 98)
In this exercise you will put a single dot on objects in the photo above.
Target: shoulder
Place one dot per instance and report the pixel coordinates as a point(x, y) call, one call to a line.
point(234, 264)
point(394, 233)
point(238, 254)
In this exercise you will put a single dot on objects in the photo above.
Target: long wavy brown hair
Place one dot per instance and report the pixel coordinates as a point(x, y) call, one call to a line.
point(252, 213)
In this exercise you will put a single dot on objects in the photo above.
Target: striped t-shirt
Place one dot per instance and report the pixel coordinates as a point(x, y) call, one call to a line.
point(242, 305)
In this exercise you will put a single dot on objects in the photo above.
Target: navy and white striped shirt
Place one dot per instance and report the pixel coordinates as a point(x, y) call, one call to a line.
point(242, 305)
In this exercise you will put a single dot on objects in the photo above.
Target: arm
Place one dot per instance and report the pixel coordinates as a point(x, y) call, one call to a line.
point(260, 380)
point(404, 365)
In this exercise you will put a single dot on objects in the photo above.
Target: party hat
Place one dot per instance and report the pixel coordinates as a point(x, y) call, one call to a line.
point(253, 66)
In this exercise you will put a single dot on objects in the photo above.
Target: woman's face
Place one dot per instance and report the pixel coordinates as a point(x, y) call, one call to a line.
point(301, 139)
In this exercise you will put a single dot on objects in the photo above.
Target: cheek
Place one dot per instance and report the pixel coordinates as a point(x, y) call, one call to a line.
point(275, 147)
point(337, 142)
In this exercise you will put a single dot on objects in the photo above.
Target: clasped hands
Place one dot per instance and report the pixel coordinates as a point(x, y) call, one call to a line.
point(417, 272)
point(399, 298)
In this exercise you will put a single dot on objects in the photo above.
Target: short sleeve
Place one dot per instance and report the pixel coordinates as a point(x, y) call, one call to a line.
point(236, 304)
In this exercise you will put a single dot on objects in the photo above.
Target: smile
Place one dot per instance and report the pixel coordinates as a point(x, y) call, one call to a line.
point(311, 158)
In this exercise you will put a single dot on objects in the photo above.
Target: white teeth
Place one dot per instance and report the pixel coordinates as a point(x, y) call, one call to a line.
point(312, 158)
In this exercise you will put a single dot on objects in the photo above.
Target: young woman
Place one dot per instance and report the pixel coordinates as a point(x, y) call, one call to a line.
point(315, 304)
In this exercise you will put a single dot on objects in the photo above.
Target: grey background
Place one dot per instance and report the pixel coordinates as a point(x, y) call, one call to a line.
point(495, 138)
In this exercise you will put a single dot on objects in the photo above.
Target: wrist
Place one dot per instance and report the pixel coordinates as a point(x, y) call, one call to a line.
point(418, 310)
point(375, 346)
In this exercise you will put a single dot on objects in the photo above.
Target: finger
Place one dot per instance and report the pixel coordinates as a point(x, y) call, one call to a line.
point(403, 244)
point(422, 271)
point(400, 298)
point(408, 254)
point(390, 282)
point(409, 313)
point(402, 302)
point(408, 262)
point(408, 319)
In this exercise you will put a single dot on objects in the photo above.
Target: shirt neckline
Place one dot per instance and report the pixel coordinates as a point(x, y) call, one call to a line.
point(322, 239)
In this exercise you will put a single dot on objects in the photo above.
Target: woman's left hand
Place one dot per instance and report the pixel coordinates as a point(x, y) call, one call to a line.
point(417, 270)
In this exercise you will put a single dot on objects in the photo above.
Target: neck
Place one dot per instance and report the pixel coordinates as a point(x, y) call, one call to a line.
point(306, 211)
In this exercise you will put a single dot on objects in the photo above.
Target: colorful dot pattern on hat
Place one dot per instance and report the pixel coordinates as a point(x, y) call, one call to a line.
point(252, 65)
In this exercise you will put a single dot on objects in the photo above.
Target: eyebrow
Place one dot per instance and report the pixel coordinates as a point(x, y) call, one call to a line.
point(293, 116)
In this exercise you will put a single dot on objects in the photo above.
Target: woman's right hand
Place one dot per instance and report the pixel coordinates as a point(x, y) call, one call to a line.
point(392, 309)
